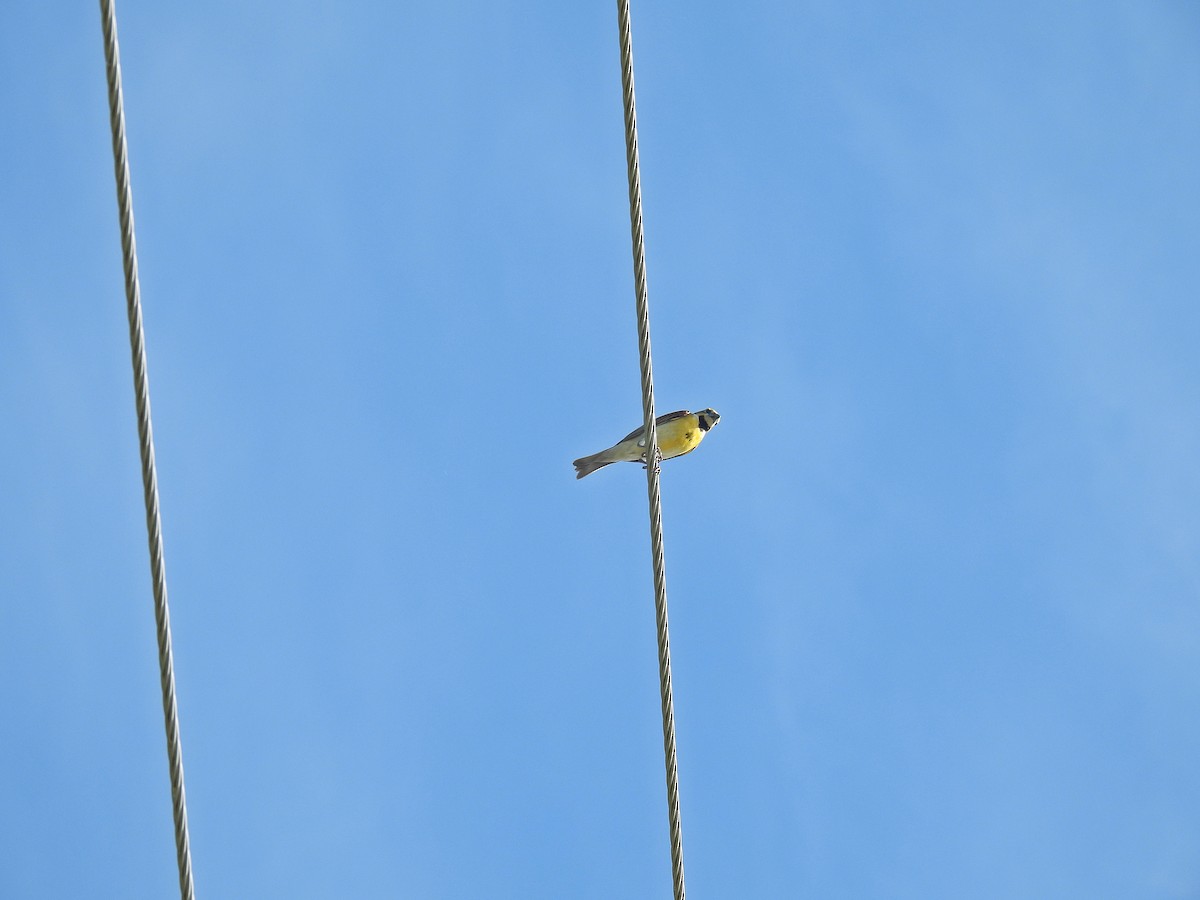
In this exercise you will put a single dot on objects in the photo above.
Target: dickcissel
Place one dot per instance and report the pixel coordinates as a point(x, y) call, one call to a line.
point(679, 432)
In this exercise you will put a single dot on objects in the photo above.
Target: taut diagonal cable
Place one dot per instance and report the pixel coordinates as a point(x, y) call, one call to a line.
point(653, 455)
point(141, 388)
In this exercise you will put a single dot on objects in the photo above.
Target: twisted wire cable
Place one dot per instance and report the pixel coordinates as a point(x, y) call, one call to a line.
point(141, 386)
point(653, 454)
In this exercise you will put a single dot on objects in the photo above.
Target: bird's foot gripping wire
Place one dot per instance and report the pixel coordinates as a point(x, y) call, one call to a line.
point(657, 461)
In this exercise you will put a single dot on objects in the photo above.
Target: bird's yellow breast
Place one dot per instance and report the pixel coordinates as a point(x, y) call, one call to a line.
point(680, 436)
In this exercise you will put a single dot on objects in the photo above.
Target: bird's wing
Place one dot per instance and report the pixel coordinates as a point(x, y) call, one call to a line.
point(678, 414)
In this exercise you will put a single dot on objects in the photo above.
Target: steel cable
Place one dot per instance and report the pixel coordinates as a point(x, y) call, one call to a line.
point(653, 454)
point(141, 386)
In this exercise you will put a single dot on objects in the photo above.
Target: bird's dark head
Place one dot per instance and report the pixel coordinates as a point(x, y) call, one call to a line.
point(708, 418)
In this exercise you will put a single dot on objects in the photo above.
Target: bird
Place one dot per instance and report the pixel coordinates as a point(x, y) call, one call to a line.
point(679, 432)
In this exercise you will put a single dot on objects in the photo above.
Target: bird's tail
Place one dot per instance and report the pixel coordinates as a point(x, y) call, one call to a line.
point(589, 464)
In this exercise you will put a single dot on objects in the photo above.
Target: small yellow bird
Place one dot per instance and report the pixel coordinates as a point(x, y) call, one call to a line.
point(679, 432)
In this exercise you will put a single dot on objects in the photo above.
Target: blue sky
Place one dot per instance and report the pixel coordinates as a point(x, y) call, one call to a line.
point(934, 580)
